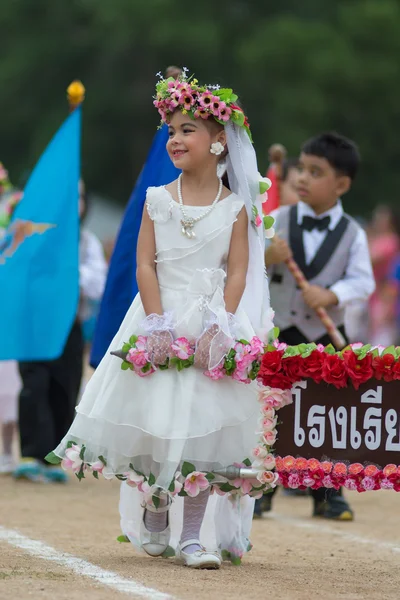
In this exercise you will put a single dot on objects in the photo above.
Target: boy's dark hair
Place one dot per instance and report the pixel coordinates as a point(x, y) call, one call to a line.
point(340, 152)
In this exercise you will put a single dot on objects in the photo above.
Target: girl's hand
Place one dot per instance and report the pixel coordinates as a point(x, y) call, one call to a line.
point(211, 348)
point(158, 346)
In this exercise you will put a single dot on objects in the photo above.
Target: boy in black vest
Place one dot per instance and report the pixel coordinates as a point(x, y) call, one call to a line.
point(332, 251)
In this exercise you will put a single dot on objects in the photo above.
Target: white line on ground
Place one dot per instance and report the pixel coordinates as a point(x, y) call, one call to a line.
point(320, 528)
point(80, 566)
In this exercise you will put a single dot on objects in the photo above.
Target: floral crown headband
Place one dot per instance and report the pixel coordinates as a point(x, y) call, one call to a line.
point(13, 198)
point(198, 101)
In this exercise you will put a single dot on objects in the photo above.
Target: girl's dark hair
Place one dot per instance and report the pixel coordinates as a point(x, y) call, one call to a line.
point(288, 163)
point(340, 152)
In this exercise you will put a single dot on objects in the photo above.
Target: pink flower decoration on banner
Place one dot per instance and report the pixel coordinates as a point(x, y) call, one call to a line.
point(350, 484)
point(268, 478)
point(195, 483)
point(260, 452)
point(267, 411)
point(72, 459)
point(182, 348)
point(327, 482)
point(308, 481)
point(275, 397)
point(268, 424)
point(368, 483)
point(241, 376)
point(386, 484)
point(245, 485)
point(215, 374)
point(294, 481)
point(269, 438)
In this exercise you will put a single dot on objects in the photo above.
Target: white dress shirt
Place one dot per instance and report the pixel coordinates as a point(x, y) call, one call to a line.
point(358, 282)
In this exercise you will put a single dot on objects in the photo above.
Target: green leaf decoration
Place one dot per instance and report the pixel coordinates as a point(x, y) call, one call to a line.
point(136, 471)
point(120, 477)
point(236, 561)
point(103, 460)
point(70, 444)
point(146, 368)
point(238, 117)
point(225, 94)
point(152, 479)
point(182, 493)
point(247, 462)
point(268, 222)
point(82, 452)
point(210, 476)
point(163, 367)
point(264, 187)
point(133, 339)
point(226, 487)
point(172, 486)
point(169, 553)
point(95, 474)
point(390, 350)
point(53, 459)
point(187, 468)
point(330, 349)
point(156, 501)
point(126, 347)
point(80, 475)
point(125, 366)
point(244, 342)
point(226, 555)
point(122, 539)
point(254, 210)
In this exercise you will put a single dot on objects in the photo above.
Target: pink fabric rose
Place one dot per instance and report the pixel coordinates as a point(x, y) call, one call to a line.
point(269, 438)
point(215, 374)
point(182, 348)
point(268, 478)
point(72, 459)
point(138, 356)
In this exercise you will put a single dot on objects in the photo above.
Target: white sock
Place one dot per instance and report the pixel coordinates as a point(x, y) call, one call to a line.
point(193, 515)
point(157, 521)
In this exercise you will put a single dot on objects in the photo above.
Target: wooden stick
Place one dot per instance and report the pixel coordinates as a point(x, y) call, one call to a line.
point(337, 338)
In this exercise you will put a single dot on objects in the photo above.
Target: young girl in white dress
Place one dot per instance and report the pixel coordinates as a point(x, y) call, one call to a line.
point(200, 273)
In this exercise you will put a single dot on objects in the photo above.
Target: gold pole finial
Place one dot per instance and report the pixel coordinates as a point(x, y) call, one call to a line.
point(75, 94)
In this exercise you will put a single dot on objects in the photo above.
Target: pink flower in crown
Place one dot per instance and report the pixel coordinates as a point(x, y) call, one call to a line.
point(173, 86)
point(206, 99)
point(215, 374)
point(216, 105)
point(201, 113)
point(174, 99)
point(182, 348)
point(368, 483)
point(225, 113)
point(195, 483)
point(256, 346)
point(3, 173)
point(184, 88)
point(72, 459)
point(186, 100)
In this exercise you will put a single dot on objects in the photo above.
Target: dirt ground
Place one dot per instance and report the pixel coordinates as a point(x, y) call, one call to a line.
point(294, 557)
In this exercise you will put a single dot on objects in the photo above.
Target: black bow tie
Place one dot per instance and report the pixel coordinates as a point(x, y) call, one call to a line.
point(309, 223)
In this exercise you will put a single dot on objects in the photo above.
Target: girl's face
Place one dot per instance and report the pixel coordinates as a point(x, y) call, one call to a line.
point(190, 142)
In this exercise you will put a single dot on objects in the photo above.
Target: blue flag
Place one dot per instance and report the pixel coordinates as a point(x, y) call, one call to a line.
point(121, 287)
point(39, 277)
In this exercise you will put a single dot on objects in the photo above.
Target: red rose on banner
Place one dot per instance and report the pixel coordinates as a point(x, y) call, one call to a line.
point(334, 371)
point(396, 371)
point(359, 371)
point(383, 367)
point(293, 368)
point(312, 365)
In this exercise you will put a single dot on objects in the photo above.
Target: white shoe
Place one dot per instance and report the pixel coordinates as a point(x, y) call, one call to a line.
point(155, 543)
point(201, 559)
point(7, 464)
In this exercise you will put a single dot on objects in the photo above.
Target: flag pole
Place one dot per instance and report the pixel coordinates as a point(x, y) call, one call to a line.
point(75, 94)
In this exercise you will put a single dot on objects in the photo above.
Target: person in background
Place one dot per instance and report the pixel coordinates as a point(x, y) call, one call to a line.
point(50, 388)
point(10, 385)
point(332, 251)
point(384, 246)
point(288, 182)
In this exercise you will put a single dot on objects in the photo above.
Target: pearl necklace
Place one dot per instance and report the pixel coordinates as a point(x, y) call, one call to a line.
point(189, 222)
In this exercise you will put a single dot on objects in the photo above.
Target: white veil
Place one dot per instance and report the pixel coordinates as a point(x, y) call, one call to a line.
point(244, 180)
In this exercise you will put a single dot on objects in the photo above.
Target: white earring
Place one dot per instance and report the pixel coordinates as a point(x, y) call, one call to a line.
point(217, 148)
